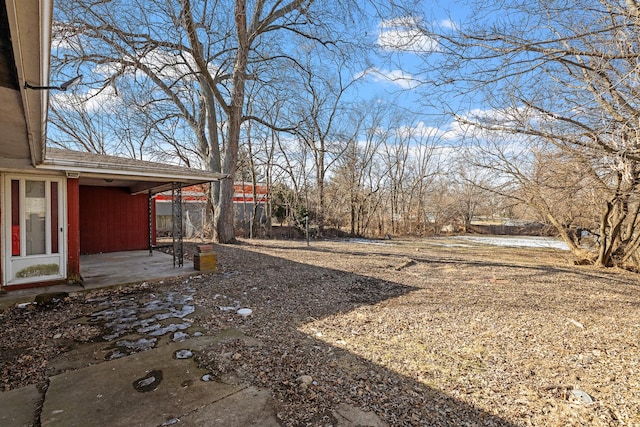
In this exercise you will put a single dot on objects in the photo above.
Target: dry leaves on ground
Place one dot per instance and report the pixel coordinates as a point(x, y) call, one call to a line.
point(420, 332)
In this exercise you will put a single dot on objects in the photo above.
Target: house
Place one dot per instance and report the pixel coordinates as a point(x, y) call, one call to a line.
point(244, 202)
point(56, 204)
point(194, 208)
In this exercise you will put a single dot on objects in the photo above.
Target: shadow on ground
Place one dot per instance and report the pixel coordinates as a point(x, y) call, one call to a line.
point(287, 295)
point(308, 378)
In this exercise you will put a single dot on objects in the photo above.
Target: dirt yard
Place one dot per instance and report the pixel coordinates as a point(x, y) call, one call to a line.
point(423, 333)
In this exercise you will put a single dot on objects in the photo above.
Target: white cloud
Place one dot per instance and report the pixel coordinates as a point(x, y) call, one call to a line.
point(450, 132)
point(396, 77)
point(92, 101)
point(465, 126)
point(447, 24)
point(64, 37)
point(166, 65)
point(106, 99)
point(423, 131)
point(405, 35)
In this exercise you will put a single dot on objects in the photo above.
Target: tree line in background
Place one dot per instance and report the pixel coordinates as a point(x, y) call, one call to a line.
point(267, 92)
point(397, 180)
point(560, 80)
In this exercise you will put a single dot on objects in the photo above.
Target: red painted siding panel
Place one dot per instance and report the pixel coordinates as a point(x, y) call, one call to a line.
point(112, 220)
point(73, 230)
point(153, 220)
point(2, 255)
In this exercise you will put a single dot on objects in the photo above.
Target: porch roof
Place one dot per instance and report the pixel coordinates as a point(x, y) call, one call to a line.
point(138, 176)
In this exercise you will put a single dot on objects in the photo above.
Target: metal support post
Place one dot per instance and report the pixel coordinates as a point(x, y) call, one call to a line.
point(176, 206)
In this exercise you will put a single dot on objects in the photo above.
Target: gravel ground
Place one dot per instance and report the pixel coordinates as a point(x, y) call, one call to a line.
point(423, 333)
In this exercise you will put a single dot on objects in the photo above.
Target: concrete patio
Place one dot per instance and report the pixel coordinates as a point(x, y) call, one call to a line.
point(118, 268)
point(156, 387)
point(96, 393)
point(108, 270)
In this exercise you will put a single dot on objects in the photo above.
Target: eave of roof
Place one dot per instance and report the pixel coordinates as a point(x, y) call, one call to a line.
point(152, 176)
point(24, 112)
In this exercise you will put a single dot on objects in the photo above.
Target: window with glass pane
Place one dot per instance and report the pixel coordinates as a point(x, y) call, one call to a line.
point(35, 217)
point(54, 218)
point(15, 217)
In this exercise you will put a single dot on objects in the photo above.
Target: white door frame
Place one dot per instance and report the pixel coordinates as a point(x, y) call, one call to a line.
point(24, 268)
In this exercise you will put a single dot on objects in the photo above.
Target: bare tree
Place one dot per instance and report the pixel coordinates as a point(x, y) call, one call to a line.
point(559, 79)
point(77, 128)
point(324, 126)
point(357, 181)
point(194, 60)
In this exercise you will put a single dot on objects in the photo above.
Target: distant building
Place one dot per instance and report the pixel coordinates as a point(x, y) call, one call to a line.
point(244, 203)
point(194, 206)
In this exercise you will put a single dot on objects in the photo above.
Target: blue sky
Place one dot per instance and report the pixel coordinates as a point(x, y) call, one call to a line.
point(397, 72)
point(402, 55)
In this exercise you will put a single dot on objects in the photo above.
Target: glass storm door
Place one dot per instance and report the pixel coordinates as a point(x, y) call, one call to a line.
point(34, 219)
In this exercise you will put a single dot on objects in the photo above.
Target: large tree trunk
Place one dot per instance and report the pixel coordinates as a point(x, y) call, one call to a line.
point(224, 232)
point(224, 223)
point(582, 255)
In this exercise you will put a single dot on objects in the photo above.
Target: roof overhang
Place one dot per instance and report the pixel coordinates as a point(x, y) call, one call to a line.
point(25, 48)
point(23, 112)
point(137, 175)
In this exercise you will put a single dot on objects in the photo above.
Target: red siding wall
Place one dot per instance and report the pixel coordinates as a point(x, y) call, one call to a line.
point(113, 220)
point(73, 230)
point(3, 255)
